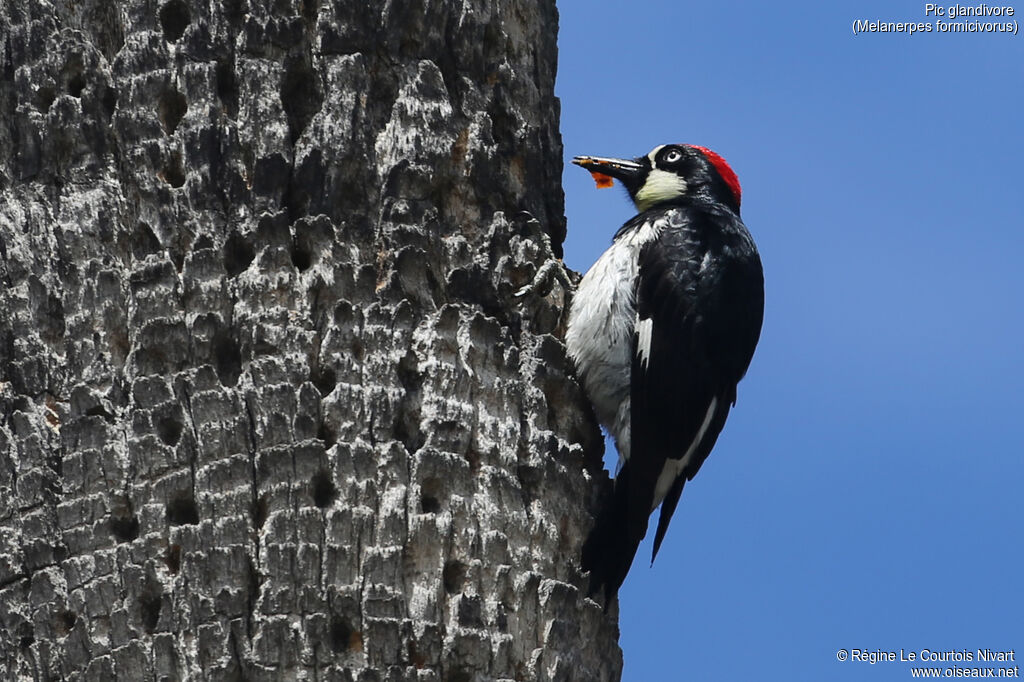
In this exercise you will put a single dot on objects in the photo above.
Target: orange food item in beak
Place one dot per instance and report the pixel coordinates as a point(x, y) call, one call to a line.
point(602, 180)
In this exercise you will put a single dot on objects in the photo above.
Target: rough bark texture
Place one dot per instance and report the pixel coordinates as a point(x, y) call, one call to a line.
point(268, 409)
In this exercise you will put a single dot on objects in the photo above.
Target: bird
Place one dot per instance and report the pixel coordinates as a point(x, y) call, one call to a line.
point(661, 330)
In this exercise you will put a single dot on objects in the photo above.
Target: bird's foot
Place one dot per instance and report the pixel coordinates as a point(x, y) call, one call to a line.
point(551, 269)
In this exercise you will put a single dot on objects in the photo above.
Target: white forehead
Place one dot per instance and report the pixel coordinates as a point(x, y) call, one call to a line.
point(654, 152)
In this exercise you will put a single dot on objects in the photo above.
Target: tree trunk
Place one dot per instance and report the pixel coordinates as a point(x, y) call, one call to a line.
point(268, 408)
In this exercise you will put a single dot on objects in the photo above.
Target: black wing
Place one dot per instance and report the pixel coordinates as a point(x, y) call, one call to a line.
point(701, 292)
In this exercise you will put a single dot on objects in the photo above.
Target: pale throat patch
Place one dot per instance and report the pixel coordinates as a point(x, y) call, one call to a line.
point(660, 186)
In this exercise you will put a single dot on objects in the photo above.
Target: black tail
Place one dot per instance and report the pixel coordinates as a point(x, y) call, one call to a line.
point(609, 549)
point(668, 508)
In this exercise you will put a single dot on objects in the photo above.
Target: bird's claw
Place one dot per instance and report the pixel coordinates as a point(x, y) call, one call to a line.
point(552, 269)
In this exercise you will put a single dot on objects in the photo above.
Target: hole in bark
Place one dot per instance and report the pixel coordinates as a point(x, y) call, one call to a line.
point(144, 241)
point(109, 101)
point(235, 10)
point(171, 109)
point(227, 85)
point(295, 201)
point(300, 96)
point(470, 612)
point(408, 372)
point(409, 434)
point(100, 411)
point(473, 457)
point(76, 85)
point(44, 98)
point(458, 675)
point(27, 640)
point(238, 254)
point(407, 416)
point(173, 558)
point(149, 611)
point(169, 429)
point(260, 510)
point(124, 528)
point(301, 258)
point(324, 379)
point(501, 617)
point(344, 637)
point(182, 511)
point(309, 9)
point(430, 495)
point(174, 18)
point(65, 622)
point(415, 657)
point(326, 434)
point(324, 491)
point(530, 478)
point(227, 360)
point(453, 576)
point(174, 171)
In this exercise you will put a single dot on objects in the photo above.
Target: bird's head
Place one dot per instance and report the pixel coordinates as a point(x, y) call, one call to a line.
point(670, 172)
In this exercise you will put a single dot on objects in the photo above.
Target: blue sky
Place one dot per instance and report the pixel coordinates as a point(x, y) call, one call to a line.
point(866, 492)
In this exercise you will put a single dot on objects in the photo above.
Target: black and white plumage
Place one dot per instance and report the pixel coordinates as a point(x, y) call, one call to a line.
point(661, 330)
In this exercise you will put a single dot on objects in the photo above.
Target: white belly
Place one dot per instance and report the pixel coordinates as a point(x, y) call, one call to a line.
point(599, 338)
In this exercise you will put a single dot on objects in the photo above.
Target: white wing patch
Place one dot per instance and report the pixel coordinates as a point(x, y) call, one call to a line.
point(673, 467)
point(643, 340)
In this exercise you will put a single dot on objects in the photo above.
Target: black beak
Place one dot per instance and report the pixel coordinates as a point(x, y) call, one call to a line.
point(627, 171)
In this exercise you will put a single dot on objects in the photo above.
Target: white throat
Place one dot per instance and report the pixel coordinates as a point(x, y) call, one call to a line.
point(661, 185)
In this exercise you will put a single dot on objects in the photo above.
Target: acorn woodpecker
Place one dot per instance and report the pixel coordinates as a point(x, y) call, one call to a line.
point(661, 330)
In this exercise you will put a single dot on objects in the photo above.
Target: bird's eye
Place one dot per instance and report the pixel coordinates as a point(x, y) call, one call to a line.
point(672, 155)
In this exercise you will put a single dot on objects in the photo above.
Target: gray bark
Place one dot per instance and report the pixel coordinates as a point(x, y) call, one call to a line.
point(268, 408)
